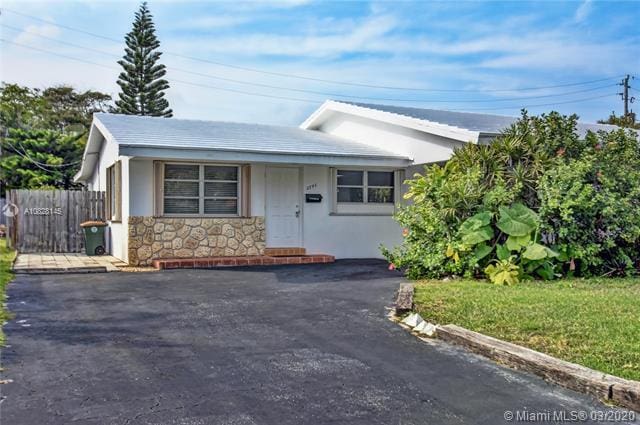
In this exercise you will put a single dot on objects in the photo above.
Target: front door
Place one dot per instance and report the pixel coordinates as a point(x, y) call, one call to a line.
point(283, 207)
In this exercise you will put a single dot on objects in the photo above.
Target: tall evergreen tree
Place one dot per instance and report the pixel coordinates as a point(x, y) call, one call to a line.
point(141, 81)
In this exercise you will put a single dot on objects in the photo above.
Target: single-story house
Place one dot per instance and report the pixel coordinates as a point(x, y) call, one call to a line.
point(189, 189)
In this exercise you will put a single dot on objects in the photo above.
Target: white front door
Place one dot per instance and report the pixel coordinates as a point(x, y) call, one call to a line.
point(283, 207)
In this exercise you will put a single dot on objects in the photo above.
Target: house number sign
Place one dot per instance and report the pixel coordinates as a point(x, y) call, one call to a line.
point(43, 211)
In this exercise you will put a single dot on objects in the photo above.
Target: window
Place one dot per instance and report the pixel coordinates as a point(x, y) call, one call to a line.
point(350, 186)
point(373, 187)
point(380, 187)
point(113, 192)
point(197, 189)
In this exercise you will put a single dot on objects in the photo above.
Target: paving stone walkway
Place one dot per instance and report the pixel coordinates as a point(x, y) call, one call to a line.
point(65, 263)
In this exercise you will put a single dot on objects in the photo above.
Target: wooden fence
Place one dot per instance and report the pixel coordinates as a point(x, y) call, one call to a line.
point(3, 219)
point(49, 220)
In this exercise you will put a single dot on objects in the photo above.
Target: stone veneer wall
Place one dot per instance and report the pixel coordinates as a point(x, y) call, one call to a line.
point(163, 237)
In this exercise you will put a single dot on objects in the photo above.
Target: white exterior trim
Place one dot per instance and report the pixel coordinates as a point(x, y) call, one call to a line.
point(329, 107)
point(236, 156)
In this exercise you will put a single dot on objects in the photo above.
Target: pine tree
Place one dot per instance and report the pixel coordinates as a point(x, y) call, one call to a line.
point(141, 81)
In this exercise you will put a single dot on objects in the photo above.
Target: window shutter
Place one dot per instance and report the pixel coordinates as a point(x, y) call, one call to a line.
point(158, 188)
point(245, 192)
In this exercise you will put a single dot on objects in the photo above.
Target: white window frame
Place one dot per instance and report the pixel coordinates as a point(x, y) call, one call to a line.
point(201, 183)
point(364, 208)
point(365, 186)
point(114, 192)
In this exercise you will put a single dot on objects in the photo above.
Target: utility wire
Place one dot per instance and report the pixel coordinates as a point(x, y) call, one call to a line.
point(280, 97)
point(330, 95)
point(46, 167)
point(307, 78)
point(315, 102)
point(540, 104)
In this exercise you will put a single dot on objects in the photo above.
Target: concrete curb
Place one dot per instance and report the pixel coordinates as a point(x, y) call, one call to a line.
point(404, 299)
point(91, 269)
point(623, 392)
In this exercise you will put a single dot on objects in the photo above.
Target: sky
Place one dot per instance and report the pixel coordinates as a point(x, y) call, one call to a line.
point(262, 61)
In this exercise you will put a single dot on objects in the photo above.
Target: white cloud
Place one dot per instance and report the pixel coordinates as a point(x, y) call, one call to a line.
point(365, 36)
point(31, 32)
point(562, 52)
point(583, 11)
point(209, 22)
point(386, 47)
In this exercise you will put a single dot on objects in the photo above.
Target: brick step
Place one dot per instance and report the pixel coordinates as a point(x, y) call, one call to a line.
point(284, 252)
point(252, 260)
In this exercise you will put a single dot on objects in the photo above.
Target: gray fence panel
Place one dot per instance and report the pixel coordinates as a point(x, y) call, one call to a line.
point(3, 219)
point(49, 220)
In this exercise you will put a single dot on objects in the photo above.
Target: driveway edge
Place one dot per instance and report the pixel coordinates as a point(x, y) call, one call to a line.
point(44, 270)
point(623, 392)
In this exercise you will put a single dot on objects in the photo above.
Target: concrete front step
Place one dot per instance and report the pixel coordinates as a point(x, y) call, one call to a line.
point(253, 260)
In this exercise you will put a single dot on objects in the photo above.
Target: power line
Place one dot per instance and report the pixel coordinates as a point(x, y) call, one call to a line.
point(46, 167)
point(284, 97)
point(538, 105)
point(170, 79)
point(307, 78)
point(331, 95)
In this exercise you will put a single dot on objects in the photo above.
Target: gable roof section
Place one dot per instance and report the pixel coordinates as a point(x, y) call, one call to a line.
point(378, 113)
point(149, 136)
point(129, 130)
point(462, 126)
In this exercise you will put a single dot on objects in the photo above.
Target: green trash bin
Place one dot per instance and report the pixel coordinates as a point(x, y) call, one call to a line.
point(94, 237)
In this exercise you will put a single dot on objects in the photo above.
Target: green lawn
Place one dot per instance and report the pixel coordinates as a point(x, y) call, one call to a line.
point(6, 259)
point(595, 323)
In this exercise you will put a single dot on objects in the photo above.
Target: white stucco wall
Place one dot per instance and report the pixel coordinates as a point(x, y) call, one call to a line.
point(119, 230)
point(258, 201)
point(141, 187)
point(344, 236)
point(116, 234)
point(107, 157)
point(419, 146)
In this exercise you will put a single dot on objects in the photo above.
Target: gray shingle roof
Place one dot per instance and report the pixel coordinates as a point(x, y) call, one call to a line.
point(484, 123)
point(154, 132)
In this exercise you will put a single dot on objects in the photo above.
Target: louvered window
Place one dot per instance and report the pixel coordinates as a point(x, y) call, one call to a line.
point(197, 189)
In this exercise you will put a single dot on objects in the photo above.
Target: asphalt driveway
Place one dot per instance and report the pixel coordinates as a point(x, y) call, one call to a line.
point(274, 345)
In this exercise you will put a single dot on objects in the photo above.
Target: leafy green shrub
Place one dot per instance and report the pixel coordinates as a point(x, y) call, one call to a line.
point(476, 214)
point(590, 207)
point(503, 272)
point(518, 252)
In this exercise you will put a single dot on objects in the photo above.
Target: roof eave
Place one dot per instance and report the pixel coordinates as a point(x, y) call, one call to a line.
point(305, 158)
point(91, 150)
point(317, 118)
